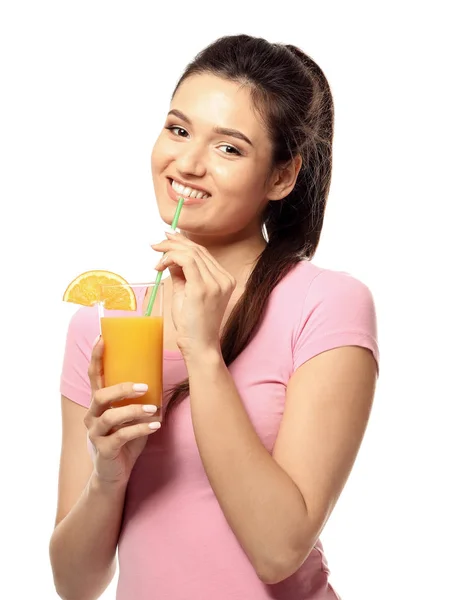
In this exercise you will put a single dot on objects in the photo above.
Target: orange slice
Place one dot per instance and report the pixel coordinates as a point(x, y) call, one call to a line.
point(86, 289)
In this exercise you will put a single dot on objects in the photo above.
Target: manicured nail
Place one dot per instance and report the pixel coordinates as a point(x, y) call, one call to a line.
point(140, 387)
point(155, 425)
point(171, 234)
point(149, 408)
point(96, 341)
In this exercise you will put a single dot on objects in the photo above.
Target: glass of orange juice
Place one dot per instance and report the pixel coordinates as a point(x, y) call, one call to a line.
point(133, 342)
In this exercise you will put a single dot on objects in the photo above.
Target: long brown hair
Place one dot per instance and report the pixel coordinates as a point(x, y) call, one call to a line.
point(292, 95)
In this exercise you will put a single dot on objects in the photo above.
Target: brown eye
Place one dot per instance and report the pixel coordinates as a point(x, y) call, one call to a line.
point(178, 131)
point(230, 150)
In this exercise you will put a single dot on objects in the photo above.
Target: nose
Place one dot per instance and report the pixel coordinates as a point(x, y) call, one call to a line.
point(191, 160)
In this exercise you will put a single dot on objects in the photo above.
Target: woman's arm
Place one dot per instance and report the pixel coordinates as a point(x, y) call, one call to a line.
point(83, 544)
point(277, 505)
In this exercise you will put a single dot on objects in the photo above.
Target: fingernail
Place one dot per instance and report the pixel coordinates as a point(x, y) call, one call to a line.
point(96, 341)
point(149, 408)
point(171, 233)
point(140, 387)
point(155, 425)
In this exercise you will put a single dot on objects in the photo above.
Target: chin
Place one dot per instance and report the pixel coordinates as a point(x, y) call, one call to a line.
point(166, 212)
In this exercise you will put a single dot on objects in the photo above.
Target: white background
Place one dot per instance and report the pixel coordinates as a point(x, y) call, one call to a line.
point(84, 91)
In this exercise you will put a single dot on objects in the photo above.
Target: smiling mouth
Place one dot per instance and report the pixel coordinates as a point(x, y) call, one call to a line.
point(188, 192)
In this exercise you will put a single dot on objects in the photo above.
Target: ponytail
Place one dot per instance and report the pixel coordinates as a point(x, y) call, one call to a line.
point(297, 102)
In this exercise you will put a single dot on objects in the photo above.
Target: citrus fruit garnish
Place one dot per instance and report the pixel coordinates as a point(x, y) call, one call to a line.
point(87, 289)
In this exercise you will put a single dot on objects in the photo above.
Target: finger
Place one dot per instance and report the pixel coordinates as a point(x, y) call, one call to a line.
point(109, 447)
point(211, 266)
point(207, 272)
point(189, 248)
point(116, 417)
point(96, 369)
point(163, 246)
point(214, 276)
point(187, 262)
point(223, 276)
point(103, 398)
point(174, 239)
point(208, 280)
point(204, 252)
point(170, 243)
point(225, 280)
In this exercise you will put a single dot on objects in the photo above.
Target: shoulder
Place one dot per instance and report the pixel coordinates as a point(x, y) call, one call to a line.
point(343, 290)
point(331, 308)
point(84, 327)
point(313, 285)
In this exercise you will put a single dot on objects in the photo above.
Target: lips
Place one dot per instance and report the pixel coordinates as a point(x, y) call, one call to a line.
point(188, 191)
point(175, 195)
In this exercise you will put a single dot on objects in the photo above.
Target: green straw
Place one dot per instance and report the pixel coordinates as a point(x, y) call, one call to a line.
point(160, 273)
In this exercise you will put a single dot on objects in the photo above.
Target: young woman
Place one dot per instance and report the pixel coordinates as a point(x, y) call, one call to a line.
point(270, 361)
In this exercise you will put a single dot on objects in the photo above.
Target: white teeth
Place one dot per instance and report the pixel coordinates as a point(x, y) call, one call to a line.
point(178, 187)
point(187, 191)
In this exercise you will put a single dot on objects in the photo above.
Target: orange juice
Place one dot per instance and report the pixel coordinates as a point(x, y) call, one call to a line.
point(133, 351)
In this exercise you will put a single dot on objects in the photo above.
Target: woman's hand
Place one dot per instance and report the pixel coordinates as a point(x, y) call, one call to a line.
point(201, 292)
point(118, 435)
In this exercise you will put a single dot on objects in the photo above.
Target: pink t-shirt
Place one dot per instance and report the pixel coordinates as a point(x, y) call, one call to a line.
point(175, 543)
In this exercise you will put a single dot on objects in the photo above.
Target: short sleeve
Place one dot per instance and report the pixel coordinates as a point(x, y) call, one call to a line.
point(82, 331)
point(338, 310)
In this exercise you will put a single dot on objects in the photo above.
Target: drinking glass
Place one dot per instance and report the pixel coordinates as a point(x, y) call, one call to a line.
point(133, 342)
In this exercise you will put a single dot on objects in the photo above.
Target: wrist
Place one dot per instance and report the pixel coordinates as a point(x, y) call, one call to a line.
point(109, 489)
point(205, 356)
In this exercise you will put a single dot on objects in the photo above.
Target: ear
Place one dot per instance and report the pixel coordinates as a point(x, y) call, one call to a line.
point(284, 178)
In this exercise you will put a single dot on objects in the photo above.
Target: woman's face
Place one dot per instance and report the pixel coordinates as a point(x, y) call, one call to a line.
point(214, 150)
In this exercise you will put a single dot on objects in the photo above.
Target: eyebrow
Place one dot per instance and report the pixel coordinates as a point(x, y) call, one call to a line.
point(220, 130)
